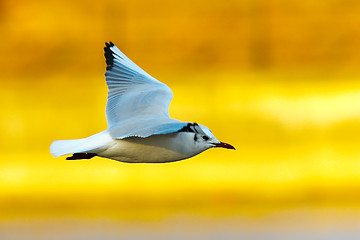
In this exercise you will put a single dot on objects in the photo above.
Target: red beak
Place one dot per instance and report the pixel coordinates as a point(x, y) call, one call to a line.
point(224, 145)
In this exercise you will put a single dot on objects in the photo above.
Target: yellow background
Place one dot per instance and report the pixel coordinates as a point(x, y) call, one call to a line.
point(279, 80)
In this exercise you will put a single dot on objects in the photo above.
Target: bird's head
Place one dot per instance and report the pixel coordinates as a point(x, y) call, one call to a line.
point(204, 137)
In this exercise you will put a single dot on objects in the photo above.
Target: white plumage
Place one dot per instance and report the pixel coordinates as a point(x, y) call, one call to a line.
point(139, 126)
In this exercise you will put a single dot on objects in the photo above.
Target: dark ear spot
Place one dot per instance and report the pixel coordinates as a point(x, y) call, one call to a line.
point(205, 138)
point(195, 137)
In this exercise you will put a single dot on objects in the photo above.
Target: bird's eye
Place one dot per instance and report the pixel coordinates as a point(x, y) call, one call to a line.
point(205, 138)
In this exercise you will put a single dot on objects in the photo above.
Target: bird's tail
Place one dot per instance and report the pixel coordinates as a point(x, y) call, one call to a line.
point(88, 146)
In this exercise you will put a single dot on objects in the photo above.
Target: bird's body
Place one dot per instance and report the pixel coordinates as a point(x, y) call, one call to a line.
point(140, 129)
point(153, 149)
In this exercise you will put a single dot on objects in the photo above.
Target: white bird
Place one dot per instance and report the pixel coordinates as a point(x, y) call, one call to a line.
point(139, 127)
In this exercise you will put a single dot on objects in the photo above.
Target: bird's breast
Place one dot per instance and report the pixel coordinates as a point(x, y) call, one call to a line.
point(153, 149)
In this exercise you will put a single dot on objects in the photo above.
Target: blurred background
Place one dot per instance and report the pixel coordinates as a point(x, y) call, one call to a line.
point(277, 79)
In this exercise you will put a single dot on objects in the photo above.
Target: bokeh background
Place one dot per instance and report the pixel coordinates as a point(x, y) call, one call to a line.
point(280, 80)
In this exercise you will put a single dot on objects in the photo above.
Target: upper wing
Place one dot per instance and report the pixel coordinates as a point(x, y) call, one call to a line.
point(134, 96)
point(135, 127)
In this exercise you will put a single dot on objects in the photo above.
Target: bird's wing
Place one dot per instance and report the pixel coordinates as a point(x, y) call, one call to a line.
point(138, 104)
point(135, 127)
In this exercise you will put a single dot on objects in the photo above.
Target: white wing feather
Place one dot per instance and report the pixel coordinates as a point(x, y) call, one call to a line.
point(138, 104)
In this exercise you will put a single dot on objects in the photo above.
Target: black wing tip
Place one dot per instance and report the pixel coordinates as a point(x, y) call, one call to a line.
point(109, 44)
point(109, 55)
point(188, 128)
point(77, 156)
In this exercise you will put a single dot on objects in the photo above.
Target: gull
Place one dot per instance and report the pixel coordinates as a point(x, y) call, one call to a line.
point(140, 129)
